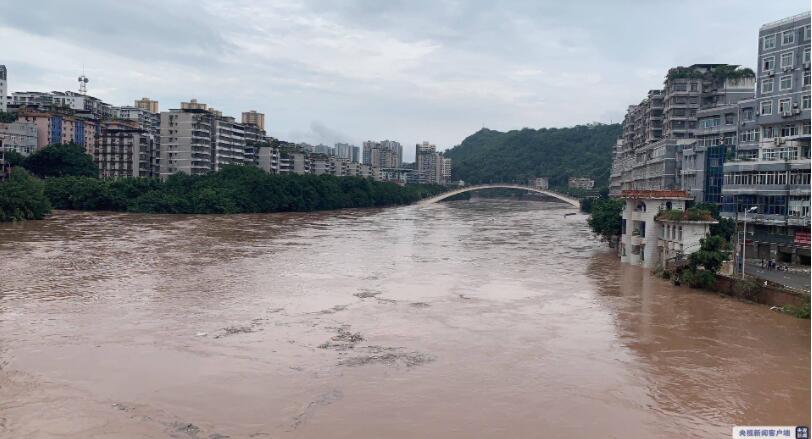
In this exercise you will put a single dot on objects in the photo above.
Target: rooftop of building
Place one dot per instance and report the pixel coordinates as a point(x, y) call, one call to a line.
point(804, 16)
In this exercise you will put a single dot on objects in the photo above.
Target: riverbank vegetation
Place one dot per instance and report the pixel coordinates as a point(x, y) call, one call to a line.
point(234, 189)
point(703, 264)
point(22, 197)
point(605, 217)
point(69, 183)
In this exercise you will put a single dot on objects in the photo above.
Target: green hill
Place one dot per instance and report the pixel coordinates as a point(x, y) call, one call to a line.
point(518, 155)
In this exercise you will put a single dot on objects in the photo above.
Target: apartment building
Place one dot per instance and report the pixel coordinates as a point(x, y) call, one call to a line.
point(124, 149)
point(228, 142)
point(55, 100)
point(147, 104)
point(150, 123)
point(18, 136)
point(61, 127)
point(771, 166)
point(344, 151)
point(255, 138)
point(186, 140)
point(716, 137)
point(383, 154)
point(581, 183)
point(254, 118)
point(267, 158)
point(3, 88)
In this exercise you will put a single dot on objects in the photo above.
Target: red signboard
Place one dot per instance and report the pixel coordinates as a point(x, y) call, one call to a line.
point(802, 238)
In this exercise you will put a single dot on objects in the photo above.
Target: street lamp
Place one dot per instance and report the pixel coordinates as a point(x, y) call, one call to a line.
point(744, 241)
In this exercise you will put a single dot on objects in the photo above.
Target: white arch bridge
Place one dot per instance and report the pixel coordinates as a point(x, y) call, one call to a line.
point(574, 202)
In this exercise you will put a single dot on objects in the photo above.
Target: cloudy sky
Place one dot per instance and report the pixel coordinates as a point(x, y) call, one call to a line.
point(331, 70)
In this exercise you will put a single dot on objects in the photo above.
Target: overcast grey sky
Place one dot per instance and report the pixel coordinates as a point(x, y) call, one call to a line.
point(327, 71)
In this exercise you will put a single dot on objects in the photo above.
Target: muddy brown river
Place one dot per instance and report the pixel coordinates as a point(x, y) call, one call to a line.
point(470, 319)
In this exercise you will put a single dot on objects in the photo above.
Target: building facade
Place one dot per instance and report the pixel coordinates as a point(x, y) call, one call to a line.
point(186, 140)
point(3, 88)
point(649, 238)
point(124, 149)
point(228, 143)
point(59, 127)
point(254, 118)
point(771, 166)
point(581, 183)
point(18, 136)
point(147, 104)
point(734, 138)
point(383, 154)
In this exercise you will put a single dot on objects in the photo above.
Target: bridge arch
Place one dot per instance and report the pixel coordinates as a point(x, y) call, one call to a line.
point(431, 200)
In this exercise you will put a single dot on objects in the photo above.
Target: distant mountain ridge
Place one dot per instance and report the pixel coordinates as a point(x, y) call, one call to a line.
point(518, 155)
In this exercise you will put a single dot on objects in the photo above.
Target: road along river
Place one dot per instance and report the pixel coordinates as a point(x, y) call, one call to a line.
point(467, 319)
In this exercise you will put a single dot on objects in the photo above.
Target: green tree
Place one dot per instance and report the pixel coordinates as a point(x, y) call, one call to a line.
point(234, 189)
point(704, 263)
point(13, 158)
point(22, 197)
point(726, 227)
point(605, 219)
point(7, 117)
point(61, 160)
point(519, 155)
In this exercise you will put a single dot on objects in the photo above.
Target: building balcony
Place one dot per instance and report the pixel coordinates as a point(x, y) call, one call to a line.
point(760, 218)
point(800, 221)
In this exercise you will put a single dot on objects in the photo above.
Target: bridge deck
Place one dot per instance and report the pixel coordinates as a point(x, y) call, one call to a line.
point(567, 199)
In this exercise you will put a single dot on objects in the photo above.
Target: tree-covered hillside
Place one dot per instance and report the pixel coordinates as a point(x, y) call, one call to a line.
point(557, 153)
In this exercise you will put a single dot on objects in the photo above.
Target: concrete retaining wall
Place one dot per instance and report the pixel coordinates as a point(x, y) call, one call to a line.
point(772, 295)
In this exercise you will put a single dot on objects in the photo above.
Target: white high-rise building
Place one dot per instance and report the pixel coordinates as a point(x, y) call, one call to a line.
point(3, 88)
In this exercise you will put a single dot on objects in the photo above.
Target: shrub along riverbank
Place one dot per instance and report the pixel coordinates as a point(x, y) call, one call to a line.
point(22, 197)
point(235, 189)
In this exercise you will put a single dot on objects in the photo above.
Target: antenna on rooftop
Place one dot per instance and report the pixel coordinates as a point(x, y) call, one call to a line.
point(83, 82)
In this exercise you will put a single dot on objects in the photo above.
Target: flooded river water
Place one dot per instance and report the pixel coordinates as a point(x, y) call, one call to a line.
point(475, 319)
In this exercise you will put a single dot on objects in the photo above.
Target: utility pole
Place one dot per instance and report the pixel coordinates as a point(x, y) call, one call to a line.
point(744, 240)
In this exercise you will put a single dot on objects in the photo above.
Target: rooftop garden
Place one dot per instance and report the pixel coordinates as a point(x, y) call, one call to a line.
point(691, 214)
point(720, 72)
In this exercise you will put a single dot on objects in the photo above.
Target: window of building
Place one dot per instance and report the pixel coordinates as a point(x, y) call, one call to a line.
point(747, 113)
point(806, 32)
point(767, 85)
point(729, 118)
point(806, 55)
point(784, 105)
point(749, 135)
point(710, 122)
point(785, 83)
point(798, 206)
point(768, 42)
point(805, 102)
point(789, 130)
point(767, 133)
point(788, 37)
point(806, 78)
point(679, 86)
point(694, 86)
point(806, 128)
point(768, 63)
point(787, 59)
point(766, 107)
